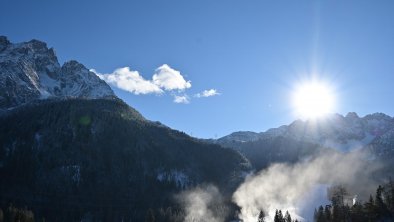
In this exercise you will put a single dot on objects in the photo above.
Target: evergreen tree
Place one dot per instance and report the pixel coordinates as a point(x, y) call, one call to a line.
point(382, 203)
point(336, 213)
point(346, 213)
point(327, 212)
point(337, 199)
point(357, 213)
point(369, 209)
point(261, 216)
point(276, 218)
point(337, 195)
point(379, 198)
point(381, 207)
point(320, 215)
point(391, 196)
point(287, 217)
point(315, 215)
point(150, 216)
point(281, 219)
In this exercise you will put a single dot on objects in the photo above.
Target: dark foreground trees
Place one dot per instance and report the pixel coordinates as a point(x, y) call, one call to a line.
point(376, 209)
point(279, 217)
point(13, 214)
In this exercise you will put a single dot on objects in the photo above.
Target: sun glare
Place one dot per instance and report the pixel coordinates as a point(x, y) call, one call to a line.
point(313, 100)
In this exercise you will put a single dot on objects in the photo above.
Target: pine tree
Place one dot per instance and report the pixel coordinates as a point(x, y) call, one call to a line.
point(276, 218)
point(281, 219)
point(337, 199)
point(320, 215)
point(261, 216)
point(346, 213)
point(287, 217)
point(391, 195)
point(315, 215)
point(327, 212)
point(381, 207)
point(337, 195)
point(150, 216)
point(379, 198)
point(369, 209)
point(357, 213)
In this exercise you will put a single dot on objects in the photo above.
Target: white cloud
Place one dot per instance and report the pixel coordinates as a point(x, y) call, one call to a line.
point(170, 79)
point(163, 80)
point(181, 99)
point(131, 81)
point(207, 93)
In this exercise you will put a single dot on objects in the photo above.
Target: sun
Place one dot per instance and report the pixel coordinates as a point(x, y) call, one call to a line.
point(313, 100)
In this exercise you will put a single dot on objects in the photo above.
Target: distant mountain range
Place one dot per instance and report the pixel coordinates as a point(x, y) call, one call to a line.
point(374, 132)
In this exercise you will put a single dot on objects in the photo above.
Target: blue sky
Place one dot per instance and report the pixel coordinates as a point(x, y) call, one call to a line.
point(251, 52)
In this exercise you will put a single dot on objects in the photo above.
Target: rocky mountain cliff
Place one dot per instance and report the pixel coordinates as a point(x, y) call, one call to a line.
point(30, 71)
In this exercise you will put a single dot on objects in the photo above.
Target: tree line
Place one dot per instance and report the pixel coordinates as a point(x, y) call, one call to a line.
point(379, 207)
point(279, 217)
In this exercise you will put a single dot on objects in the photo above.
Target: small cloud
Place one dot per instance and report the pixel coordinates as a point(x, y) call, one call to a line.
point(129, 80)
point(207, 93)
point(168, 78)
point(181, 99)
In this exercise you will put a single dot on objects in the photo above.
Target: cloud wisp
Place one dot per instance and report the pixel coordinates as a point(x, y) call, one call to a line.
point(181, 99)
point(207, 93)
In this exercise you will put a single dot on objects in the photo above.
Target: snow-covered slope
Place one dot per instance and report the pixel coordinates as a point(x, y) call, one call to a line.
point(344, 133)
point(30, 71)
point(241, 136)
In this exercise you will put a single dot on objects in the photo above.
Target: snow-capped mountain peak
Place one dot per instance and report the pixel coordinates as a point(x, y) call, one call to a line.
point(30, 71)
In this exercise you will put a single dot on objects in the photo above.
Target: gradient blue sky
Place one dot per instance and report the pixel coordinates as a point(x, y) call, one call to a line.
point(252, 52)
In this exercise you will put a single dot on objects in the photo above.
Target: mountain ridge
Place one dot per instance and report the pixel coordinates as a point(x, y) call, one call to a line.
point(343, 133)
point(372, 135)
point(31, 71)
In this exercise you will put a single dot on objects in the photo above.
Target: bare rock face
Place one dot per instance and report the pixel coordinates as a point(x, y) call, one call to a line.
point(30, 71)
point(3, 43)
